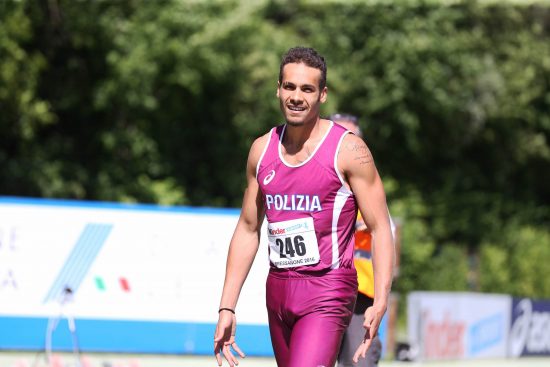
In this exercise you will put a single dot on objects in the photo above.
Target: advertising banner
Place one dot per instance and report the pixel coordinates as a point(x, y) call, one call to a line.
point(134, 278)
point(530, 328)
point(445, 325)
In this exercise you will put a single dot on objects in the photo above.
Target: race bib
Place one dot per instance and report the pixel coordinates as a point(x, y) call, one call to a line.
point(292, 243)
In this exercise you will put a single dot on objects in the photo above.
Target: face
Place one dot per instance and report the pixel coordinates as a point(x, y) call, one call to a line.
point(299, 95)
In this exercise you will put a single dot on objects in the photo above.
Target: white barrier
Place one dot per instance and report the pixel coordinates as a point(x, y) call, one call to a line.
point(458, 325)
point(122, 262)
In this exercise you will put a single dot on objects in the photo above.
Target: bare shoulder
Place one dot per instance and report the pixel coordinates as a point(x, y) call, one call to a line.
point(256, 149)
point(354, 152)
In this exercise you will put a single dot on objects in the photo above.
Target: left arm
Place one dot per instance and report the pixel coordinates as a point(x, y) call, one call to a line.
point(357, 165)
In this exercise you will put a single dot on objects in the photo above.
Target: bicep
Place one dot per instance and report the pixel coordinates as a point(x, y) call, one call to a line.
point(371, 200)
point(365, 182)
point(252, 209)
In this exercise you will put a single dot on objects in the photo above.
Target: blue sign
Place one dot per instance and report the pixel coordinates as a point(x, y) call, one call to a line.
point(530, 328)
point(486, 333)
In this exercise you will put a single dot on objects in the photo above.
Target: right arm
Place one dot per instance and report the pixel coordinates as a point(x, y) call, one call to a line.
point(242, 251)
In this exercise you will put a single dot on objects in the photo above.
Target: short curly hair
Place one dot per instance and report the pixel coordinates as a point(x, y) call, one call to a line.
point(308, 56)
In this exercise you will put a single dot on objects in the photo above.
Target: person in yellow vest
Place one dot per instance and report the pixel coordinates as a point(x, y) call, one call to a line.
point(365, 277)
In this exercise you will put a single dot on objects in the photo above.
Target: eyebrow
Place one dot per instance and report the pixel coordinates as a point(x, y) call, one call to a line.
point(302, 86)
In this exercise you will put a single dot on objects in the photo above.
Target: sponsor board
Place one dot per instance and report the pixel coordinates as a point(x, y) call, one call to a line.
point(458, 325)
point(530, 328)
point(146, 272)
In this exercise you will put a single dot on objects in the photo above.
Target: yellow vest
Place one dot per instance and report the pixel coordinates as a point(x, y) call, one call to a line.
point(363, 261)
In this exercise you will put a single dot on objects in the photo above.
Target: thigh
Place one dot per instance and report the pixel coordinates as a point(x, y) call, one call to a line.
point(280, 338)
point(308, 317)
point(315, 340)
point(279, 329)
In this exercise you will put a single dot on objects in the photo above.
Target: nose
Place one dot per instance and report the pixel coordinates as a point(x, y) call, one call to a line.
point(296, 97)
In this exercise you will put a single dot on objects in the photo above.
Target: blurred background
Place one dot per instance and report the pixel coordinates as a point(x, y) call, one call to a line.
point(127, 109)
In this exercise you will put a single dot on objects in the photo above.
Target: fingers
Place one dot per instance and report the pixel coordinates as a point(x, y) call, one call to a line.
point(358, 352)
point(225, 349)
point(233, 361)
point(362, 350)
point(228, 356)
point(219, 358)
point(366, 346)
point(371, 328)
point(224, 340)
point(237, 349)
point(369, 318)
point(217, 347)
point(371, 323)
point(221, 347)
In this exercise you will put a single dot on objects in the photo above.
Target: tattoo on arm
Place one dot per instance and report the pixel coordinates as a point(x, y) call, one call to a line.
point(362, 153)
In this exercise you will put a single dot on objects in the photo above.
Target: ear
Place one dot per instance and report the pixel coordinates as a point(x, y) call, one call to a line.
point(323, 95)
point(278, 87)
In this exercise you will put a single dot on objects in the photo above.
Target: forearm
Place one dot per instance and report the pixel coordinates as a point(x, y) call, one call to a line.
point(383, 254)
point(242, 251)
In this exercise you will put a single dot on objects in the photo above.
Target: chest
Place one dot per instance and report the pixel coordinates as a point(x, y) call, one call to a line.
point(297, 155)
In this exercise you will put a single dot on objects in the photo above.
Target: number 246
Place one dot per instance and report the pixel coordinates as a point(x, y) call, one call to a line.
point(291, 247)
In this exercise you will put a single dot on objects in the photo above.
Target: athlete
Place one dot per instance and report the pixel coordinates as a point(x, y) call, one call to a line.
point(365, 277)
point(308, 177)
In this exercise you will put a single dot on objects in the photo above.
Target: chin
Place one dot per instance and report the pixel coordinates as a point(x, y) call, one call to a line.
point(294, 120)
point(295, 123)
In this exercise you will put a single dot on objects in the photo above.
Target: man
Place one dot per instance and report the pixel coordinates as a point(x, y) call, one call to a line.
point(308, 178)
point(365, 276)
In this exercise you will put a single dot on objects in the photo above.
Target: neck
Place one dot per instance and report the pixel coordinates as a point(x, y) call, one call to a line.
point(298, 135)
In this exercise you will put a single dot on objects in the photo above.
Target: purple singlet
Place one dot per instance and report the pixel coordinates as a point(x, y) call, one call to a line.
point(312, 283)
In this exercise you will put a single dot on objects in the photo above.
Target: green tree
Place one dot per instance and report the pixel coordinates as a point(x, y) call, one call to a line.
point(159, 101)
point(517, 263)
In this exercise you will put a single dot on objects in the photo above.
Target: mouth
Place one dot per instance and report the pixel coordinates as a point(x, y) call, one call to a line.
point(296, 108)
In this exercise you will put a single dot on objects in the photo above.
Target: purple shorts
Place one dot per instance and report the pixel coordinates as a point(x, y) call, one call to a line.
point(308, 314)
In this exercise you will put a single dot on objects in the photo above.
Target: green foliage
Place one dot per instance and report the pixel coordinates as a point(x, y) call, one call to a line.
point(159, 101)
point(23, 112)
point(421, 257)
point(446, 92)
point(454, 101)
point(517, 263)
point(198, 79)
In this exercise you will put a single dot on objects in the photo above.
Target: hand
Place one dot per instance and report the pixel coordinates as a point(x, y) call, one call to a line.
point(373, 317)
point(224, 339)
